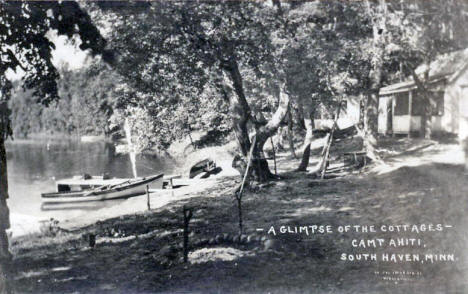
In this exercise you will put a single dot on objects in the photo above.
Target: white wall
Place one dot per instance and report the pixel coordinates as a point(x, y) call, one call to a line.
point(463, 115)
point(450, 119)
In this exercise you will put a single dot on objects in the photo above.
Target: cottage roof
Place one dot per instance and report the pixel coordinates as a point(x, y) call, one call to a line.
point(444, 67)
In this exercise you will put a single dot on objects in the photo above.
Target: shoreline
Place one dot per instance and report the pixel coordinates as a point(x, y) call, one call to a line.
point(137, 205)
point(23, 224)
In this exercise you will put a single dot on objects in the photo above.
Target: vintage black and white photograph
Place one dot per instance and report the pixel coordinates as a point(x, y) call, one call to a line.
point(236, 146)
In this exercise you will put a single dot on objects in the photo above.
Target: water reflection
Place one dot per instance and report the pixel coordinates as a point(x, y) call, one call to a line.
point(92, 205)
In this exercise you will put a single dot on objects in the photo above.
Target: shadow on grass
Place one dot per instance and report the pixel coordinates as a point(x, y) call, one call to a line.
point(294, 263)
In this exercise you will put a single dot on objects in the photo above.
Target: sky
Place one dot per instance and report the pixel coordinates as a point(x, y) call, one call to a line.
point(65, 52)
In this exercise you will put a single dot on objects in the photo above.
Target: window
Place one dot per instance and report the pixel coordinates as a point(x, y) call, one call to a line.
point(401, 103)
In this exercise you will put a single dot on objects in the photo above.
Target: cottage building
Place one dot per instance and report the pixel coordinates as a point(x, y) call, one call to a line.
point(400, 105)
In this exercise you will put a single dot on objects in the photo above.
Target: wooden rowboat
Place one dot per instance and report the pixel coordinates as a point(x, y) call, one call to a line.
point(98, 190)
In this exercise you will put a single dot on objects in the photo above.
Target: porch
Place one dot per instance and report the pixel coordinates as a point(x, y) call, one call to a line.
point(400, 113)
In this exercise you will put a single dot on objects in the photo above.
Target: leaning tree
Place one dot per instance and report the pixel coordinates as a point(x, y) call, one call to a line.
point(24, 46)
point(172, 51)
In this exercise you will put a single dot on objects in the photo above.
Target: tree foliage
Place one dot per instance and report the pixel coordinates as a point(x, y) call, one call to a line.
point(85, 106)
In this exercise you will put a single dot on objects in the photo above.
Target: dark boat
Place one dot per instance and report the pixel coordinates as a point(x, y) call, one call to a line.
point(204, 169)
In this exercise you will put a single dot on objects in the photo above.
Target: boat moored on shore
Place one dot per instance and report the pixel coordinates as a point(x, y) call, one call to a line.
point(86, 188)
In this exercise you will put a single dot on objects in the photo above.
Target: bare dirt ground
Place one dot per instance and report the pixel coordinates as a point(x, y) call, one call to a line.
point(421, 183)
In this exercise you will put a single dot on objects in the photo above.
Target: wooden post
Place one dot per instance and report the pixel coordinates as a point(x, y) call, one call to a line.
point(330, 141)
point(187, 217)
point(148, 198)
point(410, 110)
point(238, 194)
point(91, 240)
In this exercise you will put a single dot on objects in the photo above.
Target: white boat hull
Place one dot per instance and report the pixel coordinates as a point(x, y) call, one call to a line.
point(101, 195)
point(111, 195)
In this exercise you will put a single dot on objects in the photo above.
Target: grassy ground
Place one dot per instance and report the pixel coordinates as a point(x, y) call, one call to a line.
point(142, 253)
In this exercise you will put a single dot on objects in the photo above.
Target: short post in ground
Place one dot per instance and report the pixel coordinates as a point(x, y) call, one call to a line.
point(187, 216)
point(148, 198)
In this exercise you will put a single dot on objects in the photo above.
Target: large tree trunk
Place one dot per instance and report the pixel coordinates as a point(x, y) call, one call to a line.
point(291, 133)
point(426, 117)
point(309, 125)
point(238, 106)
point(240, 113)
point(426, 114)
point(375, 74)
point(362, 111)
point(264, 132)
point(5, 256)
point(372, 110)
point(301, 114)
point(371, 118)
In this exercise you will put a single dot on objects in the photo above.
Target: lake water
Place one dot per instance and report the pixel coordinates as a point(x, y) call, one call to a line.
point(34, 165)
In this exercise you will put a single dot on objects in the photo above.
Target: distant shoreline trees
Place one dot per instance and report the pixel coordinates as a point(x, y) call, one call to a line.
point(85, 106)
